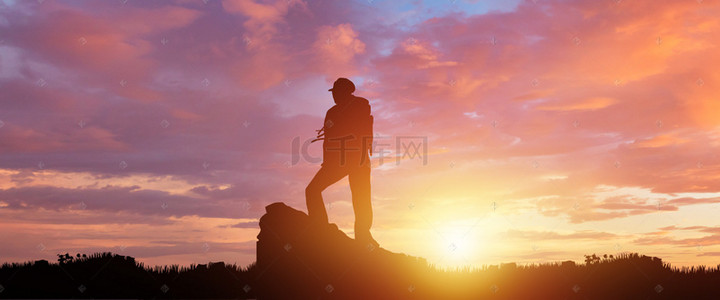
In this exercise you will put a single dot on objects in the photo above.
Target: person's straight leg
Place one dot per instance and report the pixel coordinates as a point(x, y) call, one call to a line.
point(360, 187)
point(313, 192)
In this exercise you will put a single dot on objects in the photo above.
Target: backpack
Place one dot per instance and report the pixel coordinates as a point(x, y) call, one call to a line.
point(368, 130)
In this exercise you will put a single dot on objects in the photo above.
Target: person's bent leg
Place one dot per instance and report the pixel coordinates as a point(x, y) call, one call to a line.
point(360, 187)
point(313, 192)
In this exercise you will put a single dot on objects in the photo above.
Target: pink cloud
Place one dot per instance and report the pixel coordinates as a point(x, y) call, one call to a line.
point(263, 19)
point(336, 46)
point(23, 139)
point(79, 41)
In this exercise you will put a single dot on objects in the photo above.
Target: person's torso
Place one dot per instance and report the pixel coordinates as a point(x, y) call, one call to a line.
point(346, 133)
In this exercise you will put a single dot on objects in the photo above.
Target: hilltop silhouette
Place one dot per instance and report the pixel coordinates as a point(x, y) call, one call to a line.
point(299, 260)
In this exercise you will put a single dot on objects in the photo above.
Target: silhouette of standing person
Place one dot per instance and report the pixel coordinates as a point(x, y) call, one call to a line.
point(347, 139)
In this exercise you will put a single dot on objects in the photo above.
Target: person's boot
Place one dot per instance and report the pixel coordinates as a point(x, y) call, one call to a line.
point(366, 240)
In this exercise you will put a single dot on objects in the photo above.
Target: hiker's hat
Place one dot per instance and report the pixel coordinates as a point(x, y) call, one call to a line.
point(343, 84)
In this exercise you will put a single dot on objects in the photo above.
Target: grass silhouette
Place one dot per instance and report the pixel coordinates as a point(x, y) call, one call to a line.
point(299, 259)
point(622, 276)
point(108, 275)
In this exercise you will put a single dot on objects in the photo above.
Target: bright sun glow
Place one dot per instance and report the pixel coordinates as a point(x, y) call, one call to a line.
point(457, 244)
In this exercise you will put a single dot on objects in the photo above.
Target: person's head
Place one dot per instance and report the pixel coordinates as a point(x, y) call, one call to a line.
point(342, 90)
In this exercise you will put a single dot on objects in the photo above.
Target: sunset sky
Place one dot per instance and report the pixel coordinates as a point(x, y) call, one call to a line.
point(507, 131)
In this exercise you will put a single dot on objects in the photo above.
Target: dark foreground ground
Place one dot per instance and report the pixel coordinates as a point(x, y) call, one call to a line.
point(107, 275)
point(297, 260)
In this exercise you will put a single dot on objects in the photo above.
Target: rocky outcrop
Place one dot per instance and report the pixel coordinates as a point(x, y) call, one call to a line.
point(299, 260)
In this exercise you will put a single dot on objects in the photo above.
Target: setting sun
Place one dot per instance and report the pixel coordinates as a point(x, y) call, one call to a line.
point(458, 244)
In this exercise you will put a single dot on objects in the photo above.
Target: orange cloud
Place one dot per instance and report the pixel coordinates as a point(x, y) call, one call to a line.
point(662, 140)
point(585, 104)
